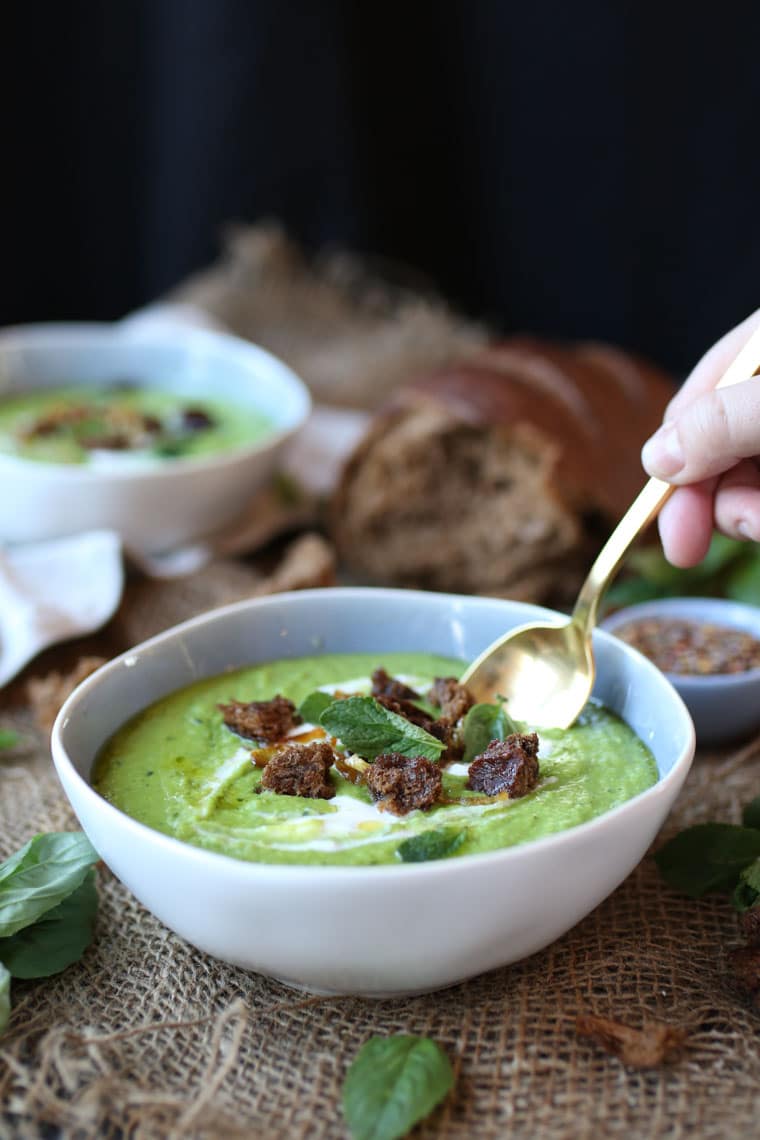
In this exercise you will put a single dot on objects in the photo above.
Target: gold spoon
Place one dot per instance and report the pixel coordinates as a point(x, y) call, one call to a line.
point(545, 670)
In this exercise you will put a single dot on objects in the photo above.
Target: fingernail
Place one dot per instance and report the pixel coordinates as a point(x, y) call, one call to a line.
point(662, 454)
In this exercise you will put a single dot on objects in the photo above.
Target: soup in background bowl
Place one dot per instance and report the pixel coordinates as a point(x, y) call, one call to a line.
point(394, 927)
point(163, 438)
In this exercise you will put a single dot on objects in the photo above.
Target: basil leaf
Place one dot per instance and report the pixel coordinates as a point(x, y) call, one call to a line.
point(747, 891)
point(366, 728)
point(483, 724)
point(314, 705)
point(393, 1083)
point(8, 738)
point(57, 939)
point(40, 876)
point(5, 997)
point(751, 814)
point(708, 857)
point(436, 844)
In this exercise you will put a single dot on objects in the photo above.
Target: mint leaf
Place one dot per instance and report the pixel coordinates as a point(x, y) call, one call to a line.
point(314, 705)
point(747, 893)
point(392, 1084)
point(5, 997)
point(708, 857)
point(57, 939)
point(8, 738)
point(483, 724)
point(40, 876)
point(751, 814)
point(436, 844)
point(368, 729)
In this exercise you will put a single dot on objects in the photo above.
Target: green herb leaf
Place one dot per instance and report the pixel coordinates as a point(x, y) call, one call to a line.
point(366, 728)
point(428, 845)
point(747, 893)
point(57, 939)
point(730, 569)
point(392, 1084)
point(708, 857)
point(8, 738)
point(751, 814)
point(5, 997)
point(314, 705)
point(483, 724)
point(40, 876)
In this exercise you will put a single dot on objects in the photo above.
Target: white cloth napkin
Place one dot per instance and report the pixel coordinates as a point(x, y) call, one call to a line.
point(52, 591)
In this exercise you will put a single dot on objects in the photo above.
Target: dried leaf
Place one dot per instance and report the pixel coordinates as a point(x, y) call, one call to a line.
point(642, 1048)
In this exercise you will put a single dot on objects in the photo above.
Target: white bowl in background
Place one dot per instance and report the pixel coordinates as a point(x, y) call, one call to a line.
point(725, 707)
point(378, 930)
point(157, 507)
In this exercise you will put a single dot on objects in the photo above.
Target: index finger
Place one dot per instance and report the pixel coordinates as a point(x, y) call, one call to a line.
point(708, 371)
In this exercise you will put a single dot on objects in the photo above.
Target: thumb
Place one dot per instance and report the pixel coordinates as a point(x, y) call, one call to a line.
point(707, 436)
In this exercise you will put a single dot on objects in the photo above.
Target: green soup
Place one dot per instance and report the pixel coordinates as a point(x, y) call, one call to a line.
point(129, 422)
point(177, 768)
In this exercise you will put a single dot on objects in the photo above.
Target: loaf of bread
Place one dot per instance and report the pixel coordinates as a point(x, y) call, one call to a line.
point(502, 475)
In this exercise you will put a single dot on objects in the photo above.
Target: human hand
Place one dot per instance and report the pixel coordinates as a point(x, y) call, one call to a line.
point(709, 446)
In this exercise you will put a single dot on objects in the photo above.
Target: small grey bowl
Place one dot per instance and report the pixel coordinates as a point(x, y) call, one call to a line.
point(725, 707)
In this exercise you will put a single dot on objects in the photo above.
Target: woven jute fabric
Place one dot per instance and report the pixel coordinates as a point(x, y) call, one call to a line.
point(148, 1037)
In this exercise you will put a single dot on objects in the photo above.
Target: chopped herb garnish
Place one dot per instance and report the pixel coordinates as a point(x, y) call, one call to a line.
point(431, 845)
point(484, 723)
point(314, 705)
point(365, 727)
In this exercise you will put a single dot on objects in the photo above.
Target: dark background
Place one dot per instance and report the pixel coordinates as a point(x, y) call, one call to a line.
point(571, 169)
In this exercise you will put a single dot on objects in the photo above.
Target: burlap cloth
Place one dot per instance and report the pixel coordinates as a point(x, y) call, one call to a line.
point(148, 1037)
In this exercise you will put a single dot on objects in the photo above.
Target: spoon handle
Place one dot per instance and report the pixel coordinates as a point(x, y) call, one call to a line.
point(646, 506)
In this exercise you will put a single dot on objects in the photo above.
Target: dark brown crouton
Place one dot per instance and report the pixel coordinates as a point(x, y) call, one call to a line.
point(301, 770)
point(408, 711)
point(261, 720)
point(453, 699)
point(401, 784)
point(384, 685)
point(509, 766)
point(196, 419)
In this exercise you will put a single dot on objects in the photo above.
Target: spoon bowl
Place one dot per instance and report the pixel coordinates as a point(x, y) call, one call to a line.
point(545, 672)
point(542, 670)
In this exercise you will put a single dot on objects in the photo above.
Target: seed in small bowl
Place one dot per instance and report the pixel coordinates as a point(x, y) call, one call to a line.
point(709, 649)
point(682, 645)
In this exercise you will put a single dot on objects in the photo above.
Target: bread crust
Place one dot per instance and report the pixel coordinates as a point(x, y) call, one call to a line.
point(501, 474)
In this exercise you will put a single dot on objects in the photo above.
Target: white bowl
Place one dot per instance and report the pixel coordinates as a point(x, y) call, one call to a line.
point(724, 707)
point(158, 507)
point(381, 930)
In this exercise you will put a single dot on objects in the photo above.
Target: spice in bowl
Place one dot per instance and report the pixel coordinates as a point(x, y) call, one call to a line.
point(687, 646)
point(709, 648)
